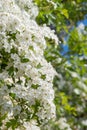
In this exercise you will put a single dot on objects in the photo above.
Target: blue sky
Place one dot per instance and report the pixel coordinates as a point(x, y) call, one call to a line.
point(83, 21)
point(65, 47)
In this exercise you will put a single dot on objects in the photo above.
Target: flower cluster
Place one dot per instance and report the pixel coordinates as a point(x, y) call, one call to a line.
point(26, 89)
point(63, 125)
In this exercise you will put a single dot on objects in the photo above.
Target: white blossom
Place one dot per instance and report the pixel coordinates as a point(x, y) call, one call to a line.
point(26, 91)
point(63, 124)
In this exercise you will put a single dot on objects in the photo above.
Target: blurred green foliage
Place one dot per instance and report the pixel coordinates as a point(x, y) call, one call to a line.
point(71, 82)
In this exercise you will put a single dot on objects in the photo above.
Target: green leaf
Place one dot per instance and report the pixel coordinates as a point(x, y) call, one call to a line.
point(12, 95)
point(31, 47)
point(65, 13)
point(24, 60)
point(34, 86)
point(11, 71)
point(43, 76)
point(39, 66)
point(2, 117)
point(12, 123)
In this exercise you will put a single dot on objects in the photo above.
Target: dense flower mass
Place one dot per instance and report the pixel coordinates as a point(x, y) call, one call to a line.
point(26, 93)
